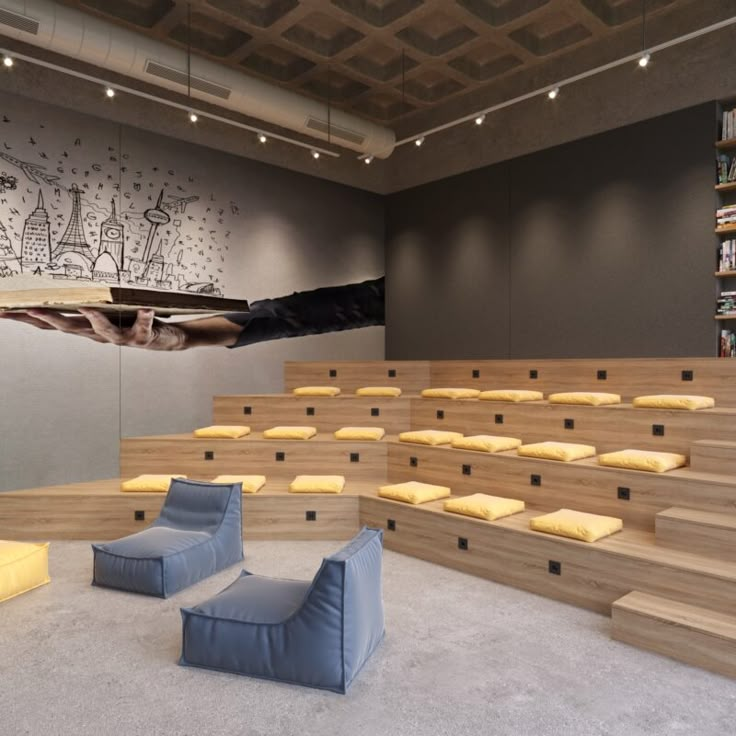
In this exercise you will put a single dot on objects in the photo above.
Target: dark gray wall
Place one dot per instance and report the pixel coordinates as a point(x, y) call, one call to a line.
point(601, 247)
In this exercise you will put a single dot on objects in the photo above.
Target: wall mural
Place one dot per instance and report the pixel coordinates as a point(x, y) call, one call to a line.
point(79, 209)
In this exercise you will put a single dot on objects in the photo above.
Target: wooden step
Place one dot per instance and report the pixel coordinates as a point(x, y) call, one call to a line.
point(682, 631)
point(701, 532)
point(411, 376)
point(714, 456)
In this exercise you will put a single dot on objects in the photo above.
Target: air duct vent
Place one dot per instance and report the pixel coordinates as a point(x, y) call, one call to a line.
point(19, 22)
point(335, 131)
point(174, 75)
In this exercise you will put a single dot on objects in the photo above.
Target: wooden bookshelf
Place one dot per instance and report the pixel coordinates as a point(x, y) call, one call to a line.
point(727, 144)
point(727, 187)
point(726, 316)
point(726, 229)
point(725, 274)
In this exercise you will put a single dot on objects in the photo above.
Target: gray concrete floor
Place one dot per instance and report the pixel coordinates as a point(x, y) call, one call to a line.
point(461, 656)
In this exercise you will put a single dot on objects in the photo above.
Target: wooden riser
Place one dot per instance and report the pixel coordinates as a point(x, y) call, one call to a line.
point(629, 377)
point(411, 376)
point(582, 485)
point(185, 454)
point(592, 575)
point(699, 532)
point(684, 632)
point(327, 414)
point(713, 456)
point(608, 428)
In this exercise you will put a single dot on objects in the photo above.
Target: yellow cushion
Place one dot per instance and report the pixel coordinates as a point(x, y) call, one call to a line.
point(429, 436)
point(413, 492)
point(483, 506)
point(674, 401)
point(317, 484)
point(149, 482)
point(218, 431)
point(251, 483)
point(511, 395)
point(450, 393)
point(576, 525)
point(655, 462)
point(360, 433)
point(486, 443)
point(565, 451)
point(378, 391)
point(290, 433)
point(23, 567)
point(586, 398)
point(316, 391)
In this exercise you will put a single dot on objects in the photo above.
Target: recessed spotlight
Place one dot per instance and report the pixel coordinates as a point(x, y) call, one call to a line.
point(8, 61)
point(110, 92)
point(367, 159)
point(418, 142)
point(315, 155)
point(644, 60)
point(193, 117)
point(262, 138)
point(552, 94)
point(480, 119)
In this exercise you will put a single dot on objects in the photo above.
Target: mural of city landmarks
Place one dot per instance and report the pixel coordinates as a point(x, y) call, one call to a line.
point(74, 206)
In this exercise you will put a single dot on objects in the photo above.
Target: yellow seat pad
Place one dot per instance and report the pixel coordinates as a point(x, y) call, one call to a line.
point(654, 462)
point(360, 433)
point(584, 398)
point(316, 391)
point(222, 431)
point(23, 567)
point(565, 451)
point(483, 506)
point(486, 443)
point(510, 394)
point(576, 525)
point(149, 483)
point(429, 436)
point(450, 393)
point(413, 492)
point(251, 483)
point(378, 391)
point(317, 484)
point(674, 401)
point(290, 433)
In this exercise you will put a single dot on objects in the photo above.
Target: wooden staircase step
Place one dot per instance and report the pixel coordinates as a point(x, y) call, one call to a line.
point(713, 456)
point(701, 532)
point(682, 631)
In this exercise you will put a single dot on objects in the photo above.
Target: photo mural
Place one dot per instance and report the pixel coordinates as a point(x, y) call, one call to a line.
point(76, 206)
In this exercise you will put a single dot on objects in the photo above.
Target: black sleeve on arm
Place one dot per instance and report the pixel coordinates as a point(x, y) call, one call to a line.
point(329, 309)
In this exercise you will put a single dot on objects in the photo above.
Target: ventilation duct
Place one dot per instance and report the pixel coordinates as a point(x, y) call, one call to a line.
point(89, 39)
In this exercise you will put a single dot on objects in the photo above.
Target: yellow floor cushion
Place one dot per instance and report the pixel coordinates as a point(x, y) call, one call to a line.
point(316, 391)
point(429, 436)
point(585, 398)
point(674, 401)
point(378, 391)
point(483, 506)
point(511, 395)
point(360, 433)
point(221, 431)
point(149, 483)
point(655, 462)
point(413, 492)
point(290, 433)
point(450, 393)
point(317, 484)
point(23, 567)
point(565, 451)
point(486, 443)
point(251, 483)
point(577, 525)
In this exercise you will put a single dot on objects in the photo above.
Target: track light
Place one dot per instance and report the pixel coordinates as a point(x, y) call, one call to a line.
point(8, 61)
point(110, 92)
point(418, 142)
point(480, 119)
point(644, 60)
point(193, 117)
point(315, 155)
point(552, 94)
point(367, 159)
point(262, 138)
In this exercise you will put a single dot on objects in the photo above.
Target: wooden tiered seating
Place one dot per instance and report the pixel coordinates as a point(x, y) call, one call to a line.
point(411, 376)
point(701, 532)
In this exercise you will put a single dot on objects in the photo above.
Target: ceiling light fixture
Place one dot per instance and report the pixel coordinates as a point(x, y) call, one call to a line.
point(8, 61)
point(644, 60)
point(418, 141)
point(480, 119)
point(315, 155)
point(552, 94)
point(193, 117)
point(367, 159)
point(645, 56)
point(262, 138)
point(110, 92)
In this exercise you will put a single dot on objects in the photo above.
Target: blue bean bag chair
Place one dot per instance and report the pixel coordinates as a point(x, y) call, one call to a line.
point(317, 633)
point(199, 533)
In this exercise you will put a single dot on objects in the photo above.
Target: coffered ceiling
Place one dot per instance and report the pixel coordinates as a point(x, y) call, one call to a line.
point(388, 60)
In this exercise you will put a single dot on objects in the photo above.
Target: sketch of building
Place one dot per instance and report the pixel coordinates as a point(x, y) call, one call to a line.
point(105, 268)
point(112, 238)
point(156, 216)
point(36, 240)
point(74, 239)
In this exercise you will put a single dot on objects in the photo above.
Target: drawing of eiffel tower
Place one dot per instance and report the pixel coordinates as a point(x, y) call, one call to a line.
point(74, 239)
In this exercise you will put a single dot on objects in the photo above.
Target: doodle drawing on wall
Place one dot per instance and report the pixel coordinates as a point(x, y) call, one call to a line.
point(98, 216)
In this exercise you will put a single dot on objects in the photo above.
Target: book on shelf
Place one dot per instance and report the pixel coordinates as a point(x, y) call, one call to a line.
point(727, 256)
point(728, 125)
point(727, 347)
